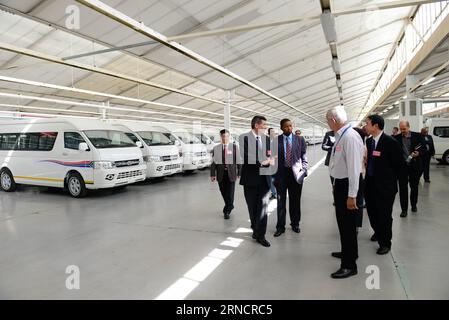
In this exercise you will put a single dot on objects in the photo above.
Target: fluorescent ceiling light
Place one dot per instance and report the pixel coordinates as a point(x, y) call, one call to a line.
point(404, 97)
point(328, 24)
point(397, 102)
point(428, 81)
point(336, 65)
point(389, 108)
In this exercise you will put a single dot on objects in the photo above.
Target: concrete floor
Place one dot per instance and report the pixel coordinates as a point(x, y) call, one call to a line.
point(167, 239)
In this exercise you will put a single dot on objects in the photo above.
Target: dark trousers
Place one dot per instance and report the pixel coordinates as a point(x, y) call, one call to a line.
point(380, 212)
point(257, 199)
point(227, 189)
point(426, 164)
point(360, 202)
point(347, 224)
point(411, 178)
point(294, 190)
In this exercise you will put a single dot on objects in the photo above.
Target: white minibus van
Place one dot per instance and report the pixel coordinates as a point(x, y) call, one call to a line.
point(160, 153)
point(74, 154)
point(194, 153)
point(439, 130)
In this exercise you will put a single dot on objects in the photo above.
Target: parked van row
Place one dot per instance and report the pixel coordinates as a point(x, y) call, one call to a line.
point(82, 154)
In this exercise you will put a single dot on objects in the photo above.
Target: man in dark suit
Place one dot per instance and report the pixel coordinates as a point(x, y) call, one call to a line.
point(412, 146)
point(225, 169)
point(430, 152)
point(384, 165)
point(327, 144)
point(255, 152)
point(291, 171)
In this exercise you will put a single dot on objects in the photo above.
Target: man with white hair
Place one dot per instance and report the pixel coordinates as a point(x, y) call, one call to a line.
point(345, 167)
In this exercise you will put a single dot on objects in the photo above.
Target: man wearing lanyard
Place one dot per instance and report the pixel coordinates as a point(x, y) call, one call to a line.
point(345, 167)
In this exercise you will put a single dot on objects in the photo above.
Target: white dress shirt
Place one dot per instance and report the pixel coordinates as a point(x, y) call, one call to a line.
point(347, 157)
point(376, 139)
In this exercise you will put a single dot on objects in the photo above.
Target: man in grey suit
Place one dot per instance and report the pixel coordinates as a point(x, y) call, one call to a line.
point(225, 169)
point(292, 168)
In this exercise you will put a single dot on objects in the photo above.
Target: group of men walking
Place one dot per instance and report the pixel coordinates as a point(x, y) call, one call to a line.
point(369, 171)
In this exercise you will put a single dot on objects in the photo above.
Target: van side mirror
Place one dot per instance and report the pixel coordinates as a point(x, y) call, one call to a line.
point(83, 147)
point(177, 143)
point(139, 144)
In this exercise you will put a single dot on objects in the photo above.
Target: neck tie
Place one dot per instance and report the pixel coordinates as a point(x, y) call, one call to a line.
point(370, 159)
point(288, 160)
point(257, 149)
point(225, 153)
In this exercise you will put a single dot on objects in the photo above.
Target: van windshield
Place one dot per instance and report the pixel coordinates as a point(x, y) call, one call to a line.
point(187, 138)
point(155, 138)
point(103, 139)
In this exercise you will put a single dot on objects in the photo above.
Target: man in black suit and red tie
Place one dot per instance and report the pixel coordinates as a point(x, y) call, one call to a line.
point(384, 167)
point(255, 152)
point(291, 170)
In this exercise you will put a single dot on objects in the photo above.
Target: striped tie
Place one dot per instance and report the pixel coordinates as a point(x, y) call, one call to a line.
point(288, 159)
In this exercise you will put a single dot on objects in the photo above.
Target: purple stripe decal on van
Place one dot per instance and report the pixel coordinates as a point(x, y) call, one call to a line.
point(77, 164)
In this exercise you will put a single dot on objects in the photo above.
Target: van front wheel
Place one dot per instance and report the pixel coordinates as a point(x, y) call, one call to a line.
point(7, 182)
point(76, 185)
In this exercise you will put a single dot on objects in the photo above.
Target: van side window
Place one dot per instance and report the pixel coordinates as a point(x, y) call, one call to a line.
point(8, 141)
point(72, 140)
point(30, 141)
point(442, 132)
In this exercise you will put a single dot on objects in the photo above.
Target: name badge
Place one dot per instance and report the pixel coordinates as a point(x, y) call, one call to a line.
point(229, 152)
point(376, 153)
point(269, 153)
point(338, 149)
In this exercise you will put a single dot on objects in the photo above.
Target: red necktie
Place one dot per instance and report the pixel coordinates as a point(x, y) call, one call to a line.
point(225, 152)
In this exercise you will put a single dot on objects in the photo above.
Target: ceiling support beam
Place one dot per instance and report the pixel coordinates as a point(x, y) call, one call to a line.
point(381, 6)
point(107, 95)
point(144, 30)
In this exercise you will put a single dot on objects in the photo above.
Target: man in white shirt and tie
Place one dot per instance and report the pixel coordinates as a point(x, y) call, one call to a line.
point(345, 167)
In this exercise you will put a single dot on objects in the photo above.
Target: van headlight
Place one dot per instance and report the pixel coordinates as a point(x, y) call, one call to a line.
point(104, 165)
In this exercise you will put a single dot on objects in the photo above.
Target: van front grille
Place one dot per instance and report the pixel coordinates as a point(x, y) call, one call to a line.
point(200, 154)
point(129, 174)
point(172, 166)
point(170, 158)
point(127, 163)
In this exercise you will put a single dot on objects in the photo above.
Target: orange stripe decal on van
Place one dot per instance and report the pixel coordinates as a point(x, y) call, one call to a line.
point(48, 179)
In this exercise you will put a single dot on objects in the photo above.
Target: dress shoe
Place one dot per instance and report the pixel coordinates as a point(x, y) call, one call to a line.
point(337, 255)
point(273, 197)
point(278, 233)
point(226, 216)
point(344, 273)
point(374, 238)
point(414, 209)
point(403, 214)
point(296, 229)
point(264, 242)
point(383, 250)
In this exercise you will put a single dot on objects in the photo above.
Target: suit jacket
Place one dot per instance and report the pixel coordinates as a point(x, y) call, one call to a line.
point(429, 143)
point(327, 144)
point(217, 168)
point(253, 173)
point(388, 164)
point(299, 159)
point(416, 139)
